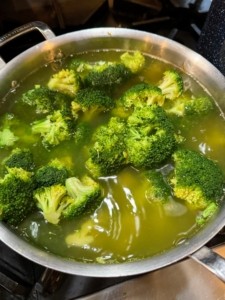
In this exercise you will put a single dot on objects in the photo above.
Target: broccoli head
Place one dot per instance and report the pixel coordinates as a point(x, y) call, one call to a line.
point(79, 65)
point(108, 152)
point(158, 190)
point(82, 67)
point(7, 137)
point(171, 84)
point(13, 129)
point(20, 158)
point(85, 194)
point(65, 81)
point(52, 173)
point(7, 133)
point(185, 106)
point(133, 61)
point(82, 236)
point(107, 76)
point(50, 200)
point(16, 195)
point(45, 100)
point(54, 128)
point(57, 202)
point(150, 137)
point(196, 179)
point(82, 133)
point(39, 97)
point(91, 101)
point(142, 94)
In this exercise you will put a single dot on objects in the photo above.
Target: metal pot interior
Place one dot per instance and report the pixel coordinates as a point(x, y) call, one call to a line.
point(114, 38)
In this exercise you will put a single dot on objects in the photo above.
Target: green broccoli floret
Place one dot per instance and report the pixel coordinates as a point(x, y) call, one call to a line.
point(13, 129)
point(158, 190)
point(16, 196)
point(108, 152)
point(142, 94)
point(82, 67)
point(204, 216)
point(79, 65)
point(44, 100)
point(133, 61)
point(108, 76)
point(7, 134)
point(20, 158)
point(65, 81)
point(39, 97)
point(199, 106)
point(150, 137)
point(91, 101)
point(50, 200)
point(54, 128)
point(196, 179)
point(171, 84)
point(185, 106)
point(82, 236)
point(82, 133)
point(7, 138)
point(59, 201)
point(85, 193)
point(52, 173)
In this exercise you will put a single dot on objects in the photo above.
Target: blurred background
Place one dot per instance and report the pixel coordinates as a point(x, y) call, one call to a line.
point(181, 20)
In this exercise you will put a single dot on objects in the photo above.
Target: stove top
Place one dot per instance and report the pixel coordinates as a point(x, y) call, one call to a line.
point(182, 21)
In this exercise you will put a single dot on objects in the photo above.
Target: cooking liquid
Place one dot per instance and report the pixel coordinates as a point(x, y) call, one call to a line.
point(127, 225)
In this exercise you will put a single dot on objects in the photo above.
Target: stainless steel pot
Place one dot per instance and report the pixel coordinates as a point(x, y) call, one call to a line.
point(115, 38)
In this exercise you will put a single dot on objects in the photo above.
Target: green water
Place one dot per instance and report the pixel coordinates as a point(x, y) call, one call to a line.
point(126, 226)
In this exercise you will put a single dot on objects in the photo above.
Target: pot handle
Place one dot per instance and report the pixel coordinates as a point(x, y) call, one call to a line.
point(37, 25)
point(210, 260)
